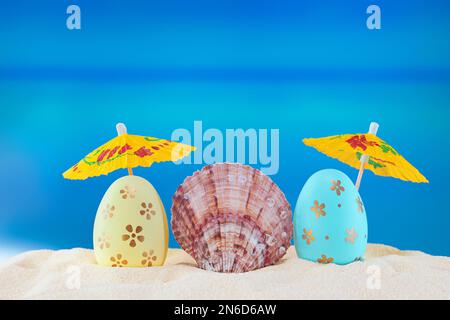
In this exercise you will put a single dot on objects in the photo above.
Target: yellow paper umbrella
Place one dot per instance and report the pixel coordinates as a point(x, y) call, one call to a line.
point(367, 151)
point(127, 151)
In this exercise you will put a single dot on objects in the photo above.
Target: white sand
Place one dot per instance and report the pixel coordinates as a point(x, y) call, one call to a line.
point(73, 274)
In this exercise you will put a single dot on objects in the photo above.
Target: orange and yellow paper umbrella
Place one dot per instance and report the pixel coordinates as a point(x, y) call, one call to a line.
point(127, 151)
point(367, 151)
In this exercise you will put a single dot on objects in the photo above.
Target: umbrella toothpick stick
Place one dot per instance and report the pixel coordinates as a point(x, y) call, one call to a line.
point(122, 129)
point(373, 129)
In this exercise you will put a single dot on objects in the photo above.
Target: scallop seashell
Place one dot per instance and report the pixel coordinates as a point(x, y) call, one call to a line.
point(231, 218)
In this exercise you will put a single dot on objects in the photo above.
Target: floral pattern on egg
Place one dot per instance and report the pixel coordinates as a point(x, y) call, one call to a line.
point(330, 224)
point(308, 236)
point(318, 209)
point(148, 258)
point(118, 261)
point(133, 235)
point(108, 211)
point(147, 210)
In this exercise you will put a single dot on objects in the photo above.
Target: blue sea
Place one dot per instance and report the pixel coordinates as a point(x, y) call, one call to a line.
point(307, 68)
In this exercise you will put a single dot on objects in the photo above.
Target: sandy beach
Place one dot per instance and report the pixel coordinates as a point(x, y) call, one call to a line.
point(387, 273)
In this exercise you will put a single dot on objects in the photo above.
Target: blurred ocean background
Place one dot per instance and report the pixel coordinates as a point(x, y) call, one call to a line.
point(309, 68)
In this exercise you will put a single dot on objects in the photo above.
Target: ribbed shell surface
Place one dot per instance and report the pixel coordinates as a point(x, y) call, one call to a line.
point(231, 218)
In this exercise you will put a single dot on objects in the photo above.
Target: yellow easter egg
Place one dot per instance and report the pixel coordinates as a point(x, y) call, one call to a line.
point(130, 227)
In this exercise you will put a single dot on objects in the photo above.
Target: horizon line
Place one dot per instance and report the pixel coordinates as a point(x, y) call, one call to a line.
point(257, 74)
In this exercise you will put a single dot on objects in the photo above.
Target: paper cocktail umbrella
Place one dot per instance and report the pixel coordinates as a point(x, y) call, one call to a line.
point(127, 151)
point(131, 228)
point(367, 151)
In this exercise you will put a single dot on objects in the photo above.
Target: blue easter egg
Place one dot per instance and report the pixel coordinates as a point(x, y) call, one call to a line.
point(330, 223)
